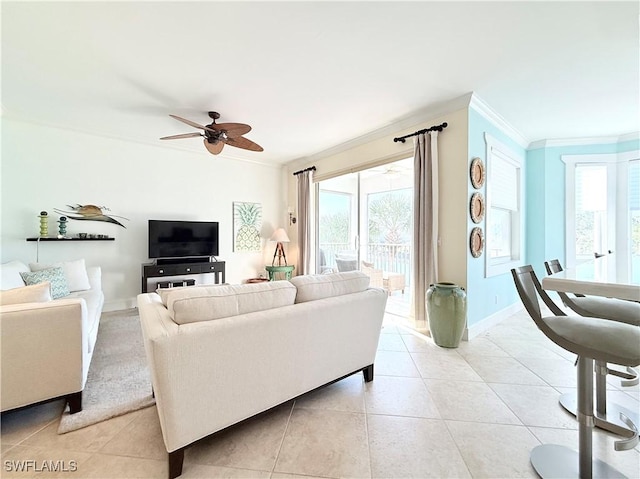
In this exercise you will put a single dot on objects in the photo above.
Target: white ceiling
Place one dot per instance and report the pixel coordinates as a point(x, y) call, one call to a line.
point(308, 76)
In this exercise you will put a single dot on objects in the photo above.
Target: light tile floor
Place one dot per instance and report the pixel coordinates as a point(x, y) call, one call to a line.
point(473, 411)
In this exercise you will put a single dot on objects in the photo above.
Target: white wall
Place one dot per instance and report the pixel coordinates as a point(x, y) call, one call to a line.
point(45, 168)
point(453, 161)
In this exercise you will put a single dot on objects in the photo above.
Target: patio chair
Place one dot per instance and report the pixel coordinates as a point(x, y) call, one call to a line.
point(374, 274)
point(591, 339)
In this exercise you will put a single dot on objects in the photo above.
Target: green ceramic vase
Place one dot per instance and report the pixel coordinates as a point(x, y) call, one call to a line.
point(447, 310)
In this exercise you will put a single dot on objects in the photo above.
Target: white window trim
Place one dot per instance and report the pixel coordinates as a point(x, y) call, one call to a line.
point(497, 266)
point(617, 204)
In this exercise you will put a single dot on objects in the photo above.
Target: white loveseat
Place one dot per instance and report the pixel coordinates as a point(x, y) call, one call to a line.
point(221, 354)
point(47, 344)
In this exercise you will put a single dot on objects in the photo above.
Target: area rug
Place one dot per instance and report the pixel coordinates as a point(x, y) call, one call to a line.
point(119, 381)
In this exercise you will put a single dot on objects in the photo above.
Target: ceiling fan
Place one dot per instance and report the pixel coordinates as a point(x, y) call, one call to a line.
point(216, 135)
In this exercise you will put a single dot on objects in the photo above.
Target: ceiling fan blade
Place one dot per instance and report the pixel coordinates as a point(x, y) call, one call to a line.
point(233, 130)
point(192, 123)
point(184, 135)
point(214, 148)
point(242, 142)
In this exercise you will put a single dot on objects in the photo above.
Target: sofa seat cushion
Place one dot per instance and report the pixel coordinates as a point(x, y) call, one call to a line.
point(94, 300)
point(36, 293)
point(10, 274)
point(189, 305)
point(319, 286)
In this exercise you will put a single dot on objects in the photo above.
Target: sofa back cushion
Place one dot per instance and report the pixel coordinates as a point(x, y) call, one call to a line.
point(318, 286)
point(189, 305)
point(74, 271)
point(10, 274)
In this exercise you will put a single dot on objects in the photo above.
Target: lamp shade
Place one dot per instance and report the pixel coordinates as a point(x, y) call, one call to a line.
point(280, 236)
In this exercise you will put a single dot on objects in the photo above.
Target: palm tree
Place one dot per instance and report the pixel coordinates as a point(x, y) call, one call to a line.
point(390, 216)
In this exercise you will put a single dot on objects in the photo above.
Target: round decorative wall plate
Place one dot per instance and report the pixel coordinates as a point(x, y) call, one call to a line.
point(476, 242)
point(477, 173)
point(476, 207)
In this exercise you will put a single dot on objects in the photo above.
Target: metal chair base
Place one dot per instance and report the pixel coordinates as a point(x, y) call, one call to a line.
point(611, 421)
point(552, 461)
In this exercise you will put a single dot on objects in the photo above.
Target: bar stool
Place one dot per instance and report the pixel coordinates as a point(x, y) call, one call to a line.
point(590, 339)
point(604, 308)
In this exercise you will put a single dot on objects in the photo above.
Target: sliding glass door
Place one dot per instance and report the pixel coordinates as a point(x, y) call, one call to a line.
point(338, 224)
point(365, 223)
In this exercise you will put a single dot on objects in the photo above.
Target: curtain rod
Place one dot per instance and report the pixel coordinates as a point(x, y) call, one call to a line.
point(306, 169)
point(431, 128)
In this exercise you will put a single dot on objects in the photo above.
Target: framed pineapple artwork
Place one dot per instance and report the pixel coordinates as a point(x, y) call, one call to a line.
point(247, 222)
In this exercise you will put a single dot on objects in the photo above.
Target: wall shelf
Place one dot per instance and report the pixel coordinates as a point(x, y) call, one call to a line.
point(48, 238)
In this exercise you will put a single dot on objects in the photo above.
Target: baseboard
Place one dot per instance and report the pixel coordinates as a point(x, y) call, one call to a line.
point(119, 305)
point(490, 321)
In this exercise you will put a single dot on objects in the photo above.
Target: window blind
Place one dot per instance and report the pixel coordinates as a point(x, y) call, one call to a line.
point(504, 183)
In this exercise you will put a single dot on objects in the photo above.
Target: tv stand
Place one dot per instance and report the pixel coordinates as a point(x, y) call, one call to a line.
point(185, 267)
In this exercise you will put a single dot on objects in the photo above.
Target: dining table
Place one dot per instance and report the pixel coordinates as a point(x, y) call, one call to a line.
point(596, 277)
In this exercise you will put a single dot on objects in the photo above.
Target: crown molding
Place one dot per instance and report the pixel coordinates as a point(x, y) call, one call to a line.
point(497, 120)
point(596, 140)
point(633, 136)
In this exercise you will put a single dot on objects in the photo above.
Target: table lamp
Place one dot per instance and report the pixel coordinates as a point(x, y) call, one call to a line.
point(279, 236)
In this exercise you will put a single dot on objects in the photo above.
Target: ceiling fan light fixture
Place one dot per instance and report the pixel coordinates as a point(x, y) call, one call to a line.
point(216, 135)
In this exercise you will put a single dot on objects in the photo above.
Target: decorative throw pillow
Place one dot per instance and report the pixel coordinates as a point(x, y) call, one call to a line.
point(346, 265)
point(74, 271)
point(36, 293)
point(55, 276)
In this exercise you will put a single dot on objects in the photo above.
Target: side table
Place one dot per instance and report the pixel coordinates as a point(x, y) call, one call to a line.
point(286, 270)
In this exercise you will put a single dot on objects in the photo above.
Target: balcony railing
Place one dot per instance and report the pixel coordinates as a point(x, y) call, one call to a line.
point(390, 257)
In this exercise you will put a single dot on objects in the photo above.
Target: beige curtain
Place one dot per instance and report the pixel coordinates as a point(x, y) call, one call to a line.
point(304, 222)
point(425, 223)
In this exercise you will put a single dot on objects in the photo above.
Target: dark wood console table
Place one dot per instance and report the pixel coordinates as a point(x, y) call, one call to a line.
point(152, 270)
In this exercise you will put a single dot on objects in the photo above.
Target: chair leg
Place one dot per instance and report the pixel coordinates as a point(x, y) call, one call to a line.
point(608, 415)
point(176, 459)
point(368, 373)
point(75, 402)
point(554, 461)
point(601, 388)
point(585, 417)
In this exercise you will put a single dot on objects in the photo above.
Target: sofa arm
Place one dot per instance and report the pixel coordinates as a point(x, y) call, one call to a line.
point(43, 350)
point(95, 277)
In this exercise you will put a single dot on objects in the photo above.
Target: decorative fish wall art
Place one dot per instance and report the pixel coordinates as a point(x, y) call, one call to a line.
point(91, 213)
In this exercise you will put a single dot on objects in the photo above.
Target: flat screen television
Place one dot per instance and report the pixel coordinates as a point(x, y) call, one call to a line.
point(181, 239)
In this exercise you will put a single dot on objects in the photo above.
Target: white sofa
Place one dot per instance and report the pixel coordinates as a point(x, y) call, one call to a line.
point(47, 344)
point(221, 354)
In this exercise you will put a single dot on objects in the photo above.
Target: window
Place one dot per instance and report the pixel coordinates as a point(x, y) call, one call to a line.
point(504, 235)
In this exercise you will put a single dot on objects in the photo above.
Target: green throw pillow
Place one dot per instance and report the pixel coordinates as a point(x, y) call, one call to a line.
point(55, 276)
